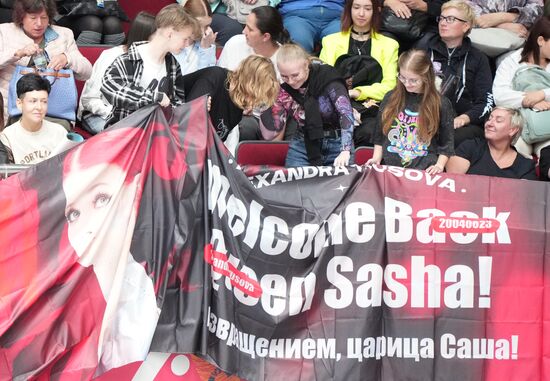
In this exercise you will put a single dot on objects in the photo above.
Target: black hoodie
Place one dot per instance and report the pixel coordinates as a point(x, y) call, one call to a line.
point(470, 92)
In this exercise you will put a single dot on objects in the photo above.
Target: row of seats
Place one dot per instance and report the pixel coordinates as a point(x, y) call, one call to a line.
point(271, 153)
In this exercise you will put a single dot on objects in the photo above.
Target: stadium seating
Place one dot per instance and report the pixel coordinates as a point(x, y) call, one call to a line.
point(261, 152)
point(363, 154)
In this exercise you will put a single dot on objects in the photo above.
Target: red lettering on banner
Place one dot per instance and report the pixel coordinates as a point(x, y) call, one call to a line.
point(464, 225)
point(239, 279)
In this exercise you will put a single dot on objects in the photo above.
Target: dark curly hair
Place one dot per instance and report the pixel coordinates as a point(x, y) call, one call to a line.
point(22, 7)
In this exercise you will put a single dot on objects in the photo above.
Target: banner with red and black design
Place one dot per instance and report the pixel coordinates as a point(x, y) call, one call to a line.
point(150, 238)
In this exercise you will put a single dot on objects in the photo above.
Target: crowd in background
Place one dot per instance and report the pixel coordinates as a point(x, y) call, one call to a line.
point(457, 86)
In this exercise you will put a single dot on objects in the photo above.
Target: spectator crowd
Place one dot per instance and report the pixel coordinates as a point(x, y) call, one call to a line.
point(457, 86)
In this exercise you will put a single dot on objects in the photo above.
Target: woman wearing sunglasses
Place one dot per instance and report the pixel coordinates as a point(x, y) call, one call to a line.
point(414, 126)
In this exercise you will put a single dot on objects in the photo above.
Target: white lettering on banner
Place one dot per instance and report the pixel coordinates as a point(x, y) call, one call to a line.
point(479, 348)
point(413, 348)
point(399, 218)
point(376, 284)
point(275, 295)
point(356, 223)
point(417, 175)
point(282, 348)
point(299, 173)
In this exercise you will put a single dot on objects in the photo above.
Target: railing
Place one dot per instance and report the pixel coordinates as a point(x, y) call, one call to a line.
point(7, 170)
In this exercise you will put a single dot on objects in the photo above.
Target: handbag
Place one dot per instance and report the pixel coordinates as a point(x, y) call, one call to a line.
point(537, 123)
point(495, 41)
point(238, 10)
point(410, 29)
point(62, 100)
point(359, 70)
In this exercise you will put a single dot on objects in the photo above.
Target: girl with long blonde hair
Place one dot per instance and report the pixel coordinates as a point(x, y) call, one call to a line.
point(415, 124)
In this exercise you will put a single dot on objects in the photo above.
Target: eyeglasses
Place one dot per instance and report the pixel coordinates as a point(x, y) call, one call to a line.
point(412, 81)
point(448, 19)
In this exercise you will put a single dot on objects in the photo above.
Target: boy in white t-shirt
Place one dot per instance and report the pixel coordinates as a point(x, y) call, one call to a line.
point(149, 73)
point(32, 139)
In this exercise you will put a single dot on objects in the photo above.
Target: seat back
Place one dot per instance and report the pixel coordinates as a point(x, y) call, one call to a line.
point(363, 154)
point(254, 152)
point(92, 53)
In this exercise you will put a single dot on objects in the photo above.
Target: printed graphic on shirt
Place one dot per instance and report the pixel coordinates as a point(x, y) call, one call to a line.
point(404, 140)
point(35, 156)
point(159, 86)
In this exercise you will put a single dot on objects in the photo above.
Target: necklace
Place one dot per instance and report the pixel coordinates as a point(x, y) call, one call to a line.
point(360, 47)
point(450, 53)
point(360, 34)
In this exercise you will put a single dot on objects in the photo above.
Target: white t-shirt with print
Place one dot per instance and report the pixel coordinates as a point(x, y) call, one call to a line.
point(154, 73)
point(33, 147)
point(236, 50)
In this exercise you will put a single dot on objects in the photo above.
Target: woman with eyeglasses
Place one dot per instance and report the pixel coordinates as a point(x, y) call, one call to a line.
point(315, 97)
point(465, 72)
point(415, 123)
point(359, 51)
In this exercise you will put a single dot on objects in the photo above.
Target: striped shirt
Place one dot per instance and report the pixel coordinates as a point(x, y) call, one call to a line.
point(121, 84)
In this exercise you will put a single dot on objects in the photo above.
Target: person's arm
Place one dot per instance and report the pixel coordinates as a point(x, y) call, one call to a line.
point(339, 98)
point(6, 156)
point(79, 64)
point(11, 53)
point(338, 95)
point(482, 97)
point(379, 137)
point(207, 56)
point(120, 90)
point(503, 93)
point(494, 19)
point(91, 98)
point(446, 132)
point(273, 120)
point(386, 54)
point(376, 156)
point(528, 13)
point(439, 166)
point(466, 152)
point(457, 164)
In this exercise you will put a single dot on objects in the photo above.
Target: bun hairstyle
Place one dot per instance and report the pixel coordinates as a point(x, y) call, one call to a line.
point(269, 20)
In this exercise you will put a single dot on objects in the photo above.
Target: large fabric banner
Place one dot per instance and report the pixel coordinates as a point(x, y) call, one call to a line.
point(149, 238)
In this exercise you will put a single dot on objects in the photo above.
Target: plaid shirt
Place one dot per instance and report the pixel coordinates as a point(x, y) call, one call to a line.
point(121, 84)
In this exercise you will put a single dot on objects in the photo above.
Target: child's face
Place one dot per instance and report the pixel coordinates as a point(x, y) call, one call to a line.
point(412, 81)
point(33, 106)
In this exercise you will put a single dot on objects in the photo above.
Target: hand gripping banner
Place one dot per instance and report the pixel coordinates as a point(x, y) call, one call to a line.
point(149, 238)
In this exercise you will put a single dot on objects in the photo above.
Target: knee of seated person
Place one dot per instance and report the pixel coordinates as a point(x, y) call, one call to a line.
point(112, 25)
point(90, 23)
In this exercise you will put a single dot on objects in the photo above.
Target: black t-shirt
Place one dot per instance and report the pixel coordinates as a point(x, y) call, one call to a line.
point(212, 81)
point(476, 151)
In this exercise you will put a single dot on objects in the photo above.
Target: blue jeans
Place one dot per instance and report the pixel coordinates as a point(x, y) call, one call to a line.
point(297, 155)
point(93, 123)
point(309, 26)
